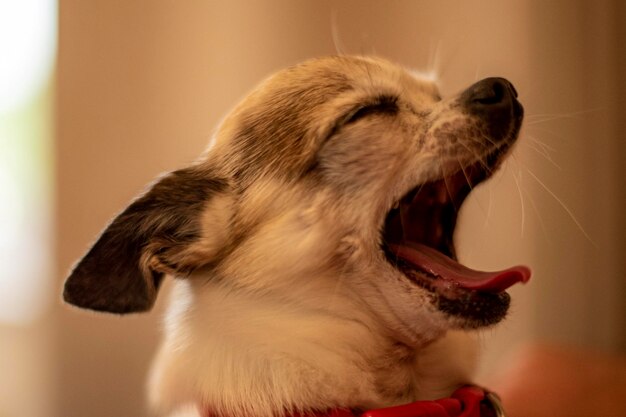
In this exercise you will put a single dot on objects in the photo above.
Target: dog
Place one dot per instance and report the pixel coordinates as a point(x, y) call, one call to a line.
point(312, 245)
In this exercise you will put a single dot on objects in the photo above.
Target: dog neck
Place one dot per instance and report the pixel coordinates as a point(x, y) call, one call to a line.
point(245, 354)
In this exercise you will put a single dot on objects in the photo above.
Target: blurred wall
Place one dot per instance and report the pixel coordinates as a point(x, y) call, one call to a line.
point(143, 84)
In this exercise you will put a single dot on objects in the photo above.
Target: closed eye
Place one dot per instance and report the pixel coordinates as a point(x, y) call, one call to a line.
point(382, 105)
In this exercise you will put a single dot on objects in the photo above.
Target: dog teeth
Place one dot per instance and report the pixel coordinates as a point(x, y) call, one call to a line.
point(396, 205)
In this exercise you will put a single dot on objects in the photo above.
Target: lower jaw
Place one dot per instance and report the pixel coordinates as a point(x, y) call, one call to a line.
point(477, 310)
point(467, 309)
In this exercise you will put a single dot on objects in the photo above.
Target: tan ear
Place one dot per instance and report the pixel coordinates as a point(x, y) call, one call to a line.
point(122, 272)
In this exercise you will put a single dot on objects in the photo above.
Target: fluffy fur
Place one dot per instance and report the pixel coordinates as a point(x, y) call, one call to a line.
point(284, 298)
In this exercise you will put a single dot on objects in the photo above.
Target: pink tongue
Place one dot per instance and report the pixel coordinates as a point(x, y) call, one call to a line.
point(436, 263)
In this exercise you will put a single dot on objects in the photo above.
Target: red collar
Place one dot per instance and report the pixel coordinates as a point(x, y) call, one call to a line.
point(469, 401)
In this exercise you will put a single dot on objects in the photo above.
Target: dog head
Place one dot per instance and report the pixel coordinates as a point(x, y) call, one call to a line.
point(342, 175)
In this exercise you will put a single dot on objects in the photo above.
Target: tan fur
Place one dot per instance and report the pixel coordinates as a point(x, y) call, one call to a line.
point(306, 314)
point(287, 301)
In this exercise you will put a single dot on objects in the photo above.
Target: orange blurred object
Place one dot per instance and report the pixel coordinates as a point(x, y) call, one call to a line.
point(553, 381)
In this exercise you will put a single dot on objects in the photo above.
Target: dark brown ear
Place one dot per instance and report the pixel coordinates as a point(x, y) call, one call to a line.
point(121, 273)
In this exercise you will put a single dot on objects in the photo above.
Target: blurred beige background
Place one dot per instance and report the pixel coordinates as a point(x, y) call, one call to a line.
point(141, 85)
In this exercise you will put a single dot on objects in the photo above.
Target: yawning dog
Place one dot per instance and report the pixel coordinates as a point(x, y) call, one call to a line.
point(312, 245)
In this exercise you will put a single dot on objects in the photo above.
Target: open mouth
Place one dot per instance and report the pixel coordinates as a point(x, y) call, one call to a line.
point(418, 241)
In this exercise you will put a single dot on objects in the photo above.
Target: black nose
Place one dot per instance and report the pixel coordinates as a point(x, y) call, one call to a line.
point(494, 100)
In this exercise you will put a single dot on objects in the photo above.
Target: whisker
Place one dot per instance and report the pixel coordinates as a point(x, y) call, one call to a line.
point(445, 182)
point(545, 130)
point(542, 224)
point(491, 141)
point(544, 155)
point(444, 63)
point(537, 149)
point(541, 143)
point(485, 213)
point(434, 60)
point(570, 114)
point(548, 117)
point(564, 206)
point(467, 180)
point(477, 156)
point(334, 27)
point(519, 191)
